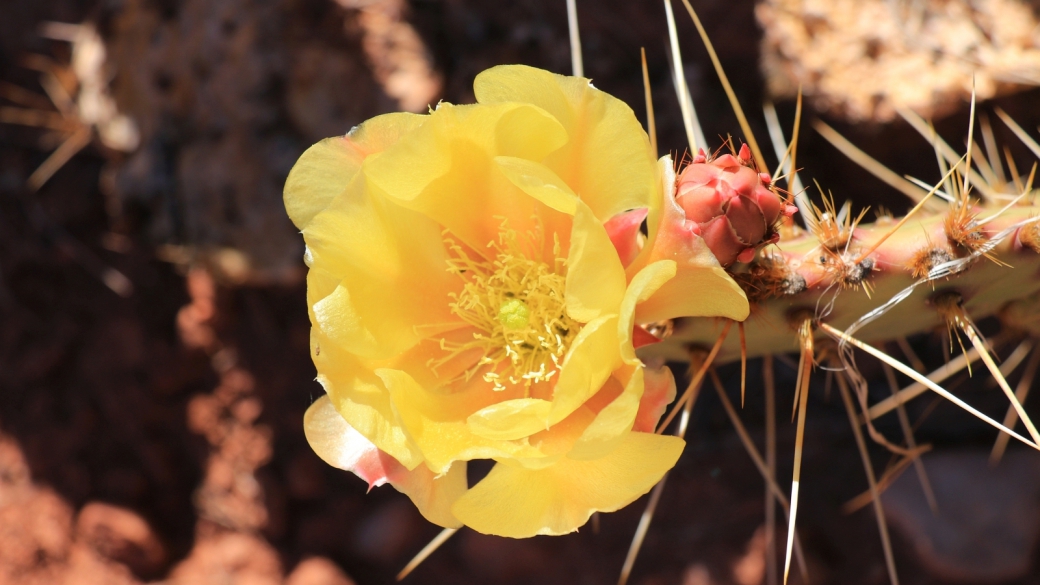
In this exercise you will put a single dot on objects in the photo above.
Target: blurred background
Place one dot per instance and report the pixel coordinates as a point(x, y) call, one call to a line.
point(154, 364)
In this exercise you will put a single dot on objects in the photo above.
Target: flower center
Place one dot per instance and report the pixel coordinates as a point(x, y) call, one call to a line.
point(516, 305)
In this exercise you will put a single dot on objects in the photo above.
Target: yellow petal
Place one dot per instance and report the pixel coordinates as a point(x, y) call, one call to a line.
point(560, 438)
point(607, 161)
point(436, 422)
point(511, 419)
point(446, 170)
point(517, 502)
point(325, 169)
point(362, 400)
point(658, 393)
point(593, 356)
point(341, 446)
point(595, 278)
point(644, 284)
point(320, 284)
point(338, 319)
point(391, 264)
point(434, 495)
point(539, 182)
point(700, 288)
point(613, 423)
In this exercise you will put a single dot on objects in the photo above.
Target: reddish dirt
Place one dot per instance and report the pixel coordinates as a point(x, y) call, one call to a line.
point(157, 437)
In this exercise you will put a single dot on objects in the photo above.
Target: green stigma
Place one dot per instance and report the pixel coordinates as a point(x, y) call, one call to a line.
point(514, 314)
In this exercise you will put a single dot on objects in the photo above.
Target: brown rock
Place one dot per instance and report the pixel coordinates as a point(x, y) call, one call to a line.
point(35, 528)
point(318, 571)
point(86, 567)
point(864, 59)
point(121, 535)
point(229, 559)
point(989, 518)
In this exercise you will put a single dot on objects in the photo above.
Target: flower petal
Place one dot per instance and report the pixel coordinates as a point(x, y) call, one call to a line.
point(700, 288)
point(511, 419)
point(644, 284)
point(391, 265)
point(594, 354)
point(607, 161)
point(339, 445)
point(361, 399)
point(325, 169)
point(595, 277)
point(658, 393)
point(436, 422)
point(517, 502)
point(446, 170)
point(433, 494)
point(624, 233)
point(539, 182)
point(612, 423)
point(339, 320)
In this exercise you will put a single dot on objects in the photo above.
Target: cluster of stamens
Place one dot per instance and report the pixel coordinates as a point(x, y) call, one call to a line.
point(515, 301)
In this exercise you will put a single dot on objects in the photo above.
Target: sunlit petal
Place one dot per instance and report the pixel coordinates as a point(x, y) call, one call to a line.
point(517, 502)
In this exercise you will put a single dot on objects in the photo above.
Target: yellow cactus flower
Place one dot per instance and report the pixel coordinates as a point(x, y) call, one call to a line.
point(476, 276)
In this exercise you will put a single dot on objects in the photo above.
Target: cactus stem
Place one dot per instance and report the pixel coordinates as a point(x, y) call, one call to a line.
point(879, 513)
point(1021, 392)
point(896, 227)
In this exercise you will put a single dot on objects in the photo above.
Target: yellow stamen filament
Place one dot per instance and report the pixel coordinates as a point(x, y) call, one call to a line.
point(516, 305)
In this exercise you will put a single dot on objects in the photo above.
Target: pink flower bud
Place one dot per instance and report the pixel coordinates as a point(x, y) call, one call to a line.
point(730, 204)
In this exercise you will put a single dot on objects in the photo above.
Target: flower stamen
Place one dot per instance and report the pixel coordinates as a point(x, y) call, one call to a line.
point(516, 304)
